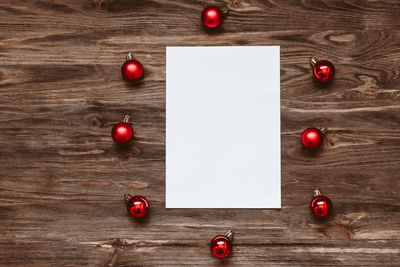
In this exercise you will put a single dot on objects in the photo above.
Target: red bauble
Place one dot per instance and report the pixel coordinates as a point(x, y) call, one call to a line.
point(320, 206)
point(323, 70)
point(221, 245)
point(312, 137)
point(212, 16)
point(137, 206)
point(132, 69)
point(122, 132)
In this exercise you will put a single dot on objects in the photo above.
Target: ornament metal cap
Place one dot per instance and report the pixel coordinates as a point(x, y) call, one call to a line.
point(313, 61)
point(225, 11)
point(323, 130)
point(317, 192)
point(127, 197)
point(229, 234)
point(126, 119)
point(129, 56)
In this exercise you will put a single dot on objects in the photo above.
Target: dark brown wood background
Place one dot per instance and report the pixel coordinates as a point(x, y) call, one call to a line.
point(63, 179)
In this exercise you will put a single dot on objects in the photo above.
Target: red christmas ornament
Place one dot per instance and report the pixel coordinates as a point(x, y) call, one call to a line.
point(132, 69)
point(221, 245)
point(312, 137)
point(323, 70)
point(122, 132)
point(320, 206)
point(137, 206)
point(212, 16)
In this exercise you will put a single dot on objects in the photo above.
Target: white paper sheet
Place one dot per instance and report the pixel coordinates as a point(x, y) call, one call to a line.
point(223, 127)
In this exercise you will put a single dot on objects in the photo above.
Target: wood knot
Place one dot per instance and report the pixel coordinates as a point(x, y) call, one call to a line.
point(117, 243)
point(341, 226)
point(136, 185)
point(96, 122)
point(127, 152)
point(338, 231)
point(342, 38)
point(235, 3)
point(331, 139)
point(126, 156)
point(80, 153)
point(367, 79)
point(103, 5)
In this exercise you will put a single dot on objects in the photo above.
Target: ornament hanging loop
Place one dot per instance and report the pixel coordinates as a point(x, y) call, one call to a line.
point(127, 197)
point(323, 130)
point(317, 192)
point(129, 56)
point(229, 234)
point(313, 61)
point(126, 119)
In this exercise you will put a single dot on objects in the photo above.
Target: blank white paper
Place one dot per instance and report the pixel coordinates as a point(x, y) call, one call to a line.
point(223, 127)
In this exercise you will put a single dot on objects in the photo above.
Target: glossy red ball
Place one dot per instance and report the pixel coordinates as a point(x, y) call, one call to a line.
point(321, 206)
point(137, 206)
point(122, 132)
point(312, 138)
point(323, 70)
point(221, 246)
point(212, 16)
point(132, 70)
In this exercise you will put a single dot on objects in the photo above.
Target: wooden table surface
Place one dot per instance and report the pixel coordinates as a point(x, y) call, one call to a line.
point(62, 179)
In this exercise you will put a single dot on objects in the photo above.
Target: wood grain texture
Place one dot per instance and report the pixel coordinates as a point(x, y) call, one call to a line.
point(62, 179)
